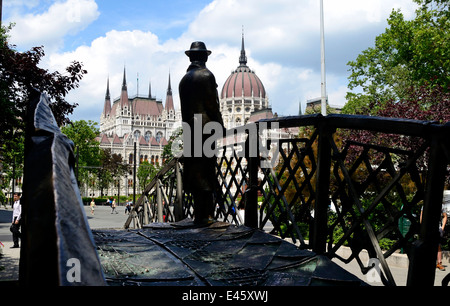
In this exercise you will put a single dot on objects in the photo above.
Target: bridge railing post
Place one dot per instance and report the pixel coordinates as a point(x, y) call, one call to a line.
point(422, 265)
point(322, 200)
point(251, 194)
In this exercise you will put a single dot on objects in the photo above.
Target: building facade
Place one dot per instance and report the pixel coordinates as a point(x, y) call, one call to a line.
point(144, 120)
point(242, 94)
point(141, 119)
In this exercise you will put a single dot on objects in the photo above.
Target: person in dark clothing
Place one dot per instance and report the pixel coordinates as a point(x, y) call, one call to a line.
point(15, 226)
point(199, 106)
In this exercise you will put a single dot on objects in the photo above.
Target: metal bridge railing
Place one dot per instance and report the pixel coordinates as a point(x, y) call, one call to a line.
point(326, 190)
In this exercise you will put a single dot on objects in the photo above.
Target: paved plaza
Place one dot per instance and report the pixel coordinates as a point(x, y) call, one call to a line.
point(104, 219)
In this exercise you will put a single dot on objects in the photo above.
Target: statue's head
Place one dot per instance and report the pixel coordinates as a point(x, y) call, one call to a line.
point(198, 52)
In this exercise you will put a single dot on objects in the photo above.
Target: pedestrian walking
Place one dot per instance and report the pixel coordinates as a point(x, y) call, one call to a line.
point(15, 226)
point(443, 222)
point(92, 206)
point(113, 206)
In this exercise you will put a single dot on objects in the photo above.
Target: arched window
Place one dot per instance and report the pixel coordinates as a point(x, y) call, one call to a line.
point(137, 134)
point(130, 159)
point(159, 135)
point(147, 136)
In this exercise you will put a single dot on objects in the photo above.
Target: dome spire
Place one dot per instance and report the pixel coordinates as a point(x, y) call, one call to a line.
point(243, 57)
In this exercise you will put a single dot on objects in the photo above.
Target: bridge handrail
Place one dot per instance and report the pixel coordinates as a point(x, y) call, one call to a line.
point(242, 179)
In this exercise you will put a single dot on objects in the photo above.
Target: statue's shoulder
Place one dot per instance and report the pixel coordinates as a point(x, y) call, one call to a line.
point(198, 75)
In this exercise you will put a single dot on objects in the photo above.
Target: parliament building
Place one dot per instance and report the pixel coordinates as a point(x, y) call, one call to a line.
point(149, 123)
point(141, 119)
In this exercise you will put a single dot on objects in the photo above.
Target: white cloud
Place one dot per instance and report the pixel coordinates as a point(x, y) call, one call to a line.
point(281, 40)
point(140, 52)
point(51, 27)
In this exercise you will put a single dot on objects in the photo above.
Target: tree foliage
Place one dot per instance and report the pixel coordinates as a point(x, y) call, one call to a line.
point(406, 74)
point(410, 53)
point(145, 173)
point(112, 169)
point(83, 134)
point(177, 137)
point(20, 75)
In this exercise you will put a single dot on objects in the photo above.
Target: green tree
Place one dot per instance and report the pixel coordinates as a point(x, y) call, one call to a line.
point(12, 163)
point(177, 137)
point(20, 76)
point(145, 173)
point(112, 169)
point(410, 53)
point(83, 134)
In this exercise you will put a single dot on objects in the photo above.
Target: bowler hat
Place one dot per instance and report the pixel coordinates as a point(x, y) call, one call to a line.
point(197, 46)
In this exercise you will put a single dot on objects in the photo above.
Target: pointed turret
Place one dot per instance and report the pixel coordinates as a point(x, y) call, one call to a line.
point(124, 93)
point(169, 98)
point(124, 82)
point(107, 105)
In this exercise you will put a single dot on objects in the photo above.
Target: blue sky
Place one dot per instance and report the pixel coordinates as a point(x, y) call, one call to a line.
point(167, 19)
point(282, 41)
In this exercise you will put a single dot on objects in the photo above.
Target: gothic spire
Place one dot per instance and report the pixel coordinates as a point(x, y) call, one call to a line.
point(169, 88)
point(243, 57)
point(124, 82)
point(107, 105)
point(124, 93)
point(107, 96)
point(169, 98)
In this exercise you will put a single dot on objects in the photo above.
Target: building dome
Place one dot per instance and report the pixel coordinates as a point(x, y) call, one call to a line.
point(242, 83)
point(242, 94)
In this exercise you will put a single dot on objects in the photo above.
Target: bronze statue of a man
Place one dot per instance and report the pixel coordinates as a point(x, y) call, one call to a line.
point(199, 105)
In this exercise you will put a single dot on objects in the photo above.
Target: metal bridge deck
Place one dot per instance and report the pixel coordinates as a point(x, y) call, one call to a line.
point(180, 254)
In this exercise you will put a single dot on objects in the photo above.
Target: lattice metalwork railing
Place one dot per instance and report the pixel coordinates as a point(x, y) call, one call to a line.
point(326, 190)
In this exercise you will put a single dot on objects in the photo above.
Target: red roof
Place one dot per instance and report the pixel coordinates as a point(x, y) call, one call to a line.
point(243, 78)
point(116, 139)
point(104, 139)
point(261, 114)
point(147, 107)
point(142, 141)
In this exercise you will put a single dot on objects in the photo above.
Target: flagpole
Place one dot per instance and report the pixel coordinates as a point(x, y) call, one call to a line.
point(322, 63)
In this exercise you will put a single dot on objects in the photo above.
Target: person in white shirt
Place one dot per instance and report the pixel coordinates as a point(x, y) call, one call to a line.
point(15, 227)
point(442, 225)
